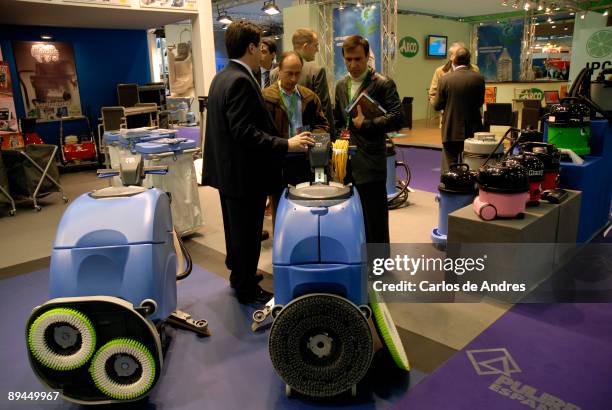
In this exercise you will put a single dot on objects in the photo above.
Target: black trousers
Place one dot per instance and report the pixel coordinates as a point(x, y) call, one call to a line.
point(451, 154)
point(375, 211)
point(242, 223)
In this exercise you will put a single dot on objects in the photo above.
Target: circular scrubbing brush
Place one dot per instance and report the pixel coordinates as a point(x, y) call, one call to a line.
point(388, 331)
point(62, 339)
point(123, 369)
point(320, 345)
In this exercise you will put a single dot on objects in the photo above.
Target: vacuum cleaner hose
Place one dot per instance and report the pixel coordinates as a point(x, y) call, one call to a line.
point(400, 199)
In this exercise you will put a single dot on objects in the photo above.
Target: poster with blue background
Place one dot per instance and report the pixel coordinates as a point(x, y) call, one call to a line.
point(352, 21)
point(499, 50)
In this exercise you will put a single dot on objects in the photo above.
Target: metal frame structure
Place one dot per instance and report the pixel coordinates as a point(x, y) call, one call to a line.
point(388, 36)
point(326, 40)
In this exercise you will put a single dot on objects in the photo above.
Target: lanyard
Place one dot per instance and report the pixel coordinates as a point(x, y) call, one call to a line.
point(291, 109)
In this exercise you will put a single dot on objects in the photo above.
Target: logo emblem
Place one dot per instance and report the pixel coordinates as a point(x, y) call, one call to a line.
point(493, 361)
point(408, 46)
point(599, 45)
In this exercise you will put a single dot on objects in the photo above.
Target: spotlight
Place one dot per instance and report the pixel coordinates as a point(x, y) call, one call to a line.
point(223, 18)
point(565, 28)
point(526, 6)
point(505, 3)
point(583, 15)
point(46, 37)
point(549, 20)
point(605, 13)
point(373, 6)
point(341, 6)
point(270, 8)
point(498, 22)
point(358, 5)
point(540, 7)
point(554, 27)
point(276, 38)
point(515, 4)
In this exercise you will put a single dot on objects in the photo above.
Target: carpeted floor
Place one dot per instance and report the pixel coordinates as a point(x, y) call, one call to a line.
point(229, 370)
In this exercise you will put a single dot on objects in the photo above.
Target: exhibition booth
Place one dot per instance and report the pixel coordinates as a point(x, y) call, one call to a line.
point(494, 291)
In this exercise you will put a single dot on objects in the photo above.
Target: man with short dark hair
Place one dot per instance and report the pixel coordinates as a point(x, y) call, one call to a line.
point(268, 54)
point(446, 68)
point(306, 43)
point(294, 109)
point(369, 164)
point(460, 94)
point(243, 157)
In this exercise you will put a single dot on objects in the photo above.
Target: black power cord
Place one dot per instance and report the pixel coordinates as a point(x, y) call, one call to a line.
point(400, 199)
point(187, 256)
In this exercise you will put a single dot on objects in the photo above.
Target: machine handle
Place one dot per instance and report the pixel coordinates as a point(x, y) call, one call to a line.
point(156, 170)
point(319, 210)
point(107, 173)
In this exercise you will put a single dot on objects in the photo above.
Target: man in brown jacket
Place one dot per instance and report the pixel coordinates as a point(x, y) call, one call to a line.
point(294, 109)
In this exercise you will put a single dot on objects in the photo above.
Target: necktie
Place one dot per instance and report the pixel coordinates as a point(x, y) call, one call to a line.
point(266, 78)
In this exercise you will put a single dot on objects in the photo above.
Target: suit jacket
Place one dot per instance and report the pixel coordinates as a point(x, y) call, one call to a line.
point(242, 153)
point(460, 94)
point(440, 71)
point(312, 114)
point(369, 164)
point(314, 77)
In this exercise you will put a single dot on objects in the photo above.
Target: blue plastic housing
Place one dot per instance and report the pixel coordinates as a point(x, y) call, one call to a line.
point(319, 249)
point(119, 246)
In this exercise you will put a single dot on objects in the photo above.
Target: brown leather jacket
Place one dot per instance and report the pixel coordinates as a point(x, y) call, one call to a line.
point(312, 114)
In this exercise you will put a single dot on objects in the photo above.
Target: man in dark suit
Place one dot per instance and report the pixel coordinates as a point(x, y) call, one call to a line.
point(460, 94)
point(306, 43)
point(369, 164)
point(268, 54)
point(243, 157)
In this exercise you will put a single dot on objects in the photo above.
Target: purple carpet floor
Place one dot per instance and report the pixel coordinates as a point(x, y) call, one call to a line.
point(229, 370)
point(424, 166)
point(535, 356)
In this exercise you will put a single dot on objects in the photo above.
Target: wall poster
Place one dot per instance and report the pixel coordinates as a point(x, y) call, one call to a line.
point(8, 116)
point(170, 4)
point(363, 21)
point(47, 79)
point(499, 50)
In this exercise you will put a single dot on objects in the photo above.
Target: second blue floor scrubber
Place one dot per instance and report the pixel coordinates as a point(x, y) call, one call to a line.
point(321, 343)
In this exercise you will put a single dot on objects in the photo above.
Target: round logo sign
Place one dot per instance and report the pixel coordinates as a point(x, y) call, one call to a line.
point(599, 45)
point(408, 46)
point(531, 94)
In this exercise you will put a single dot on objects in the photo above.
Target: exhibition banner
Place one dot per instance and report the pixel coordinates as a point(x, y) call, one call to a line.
point(126, 3)
point(48, 79)
point(593, 50)
point(170, 4)
point(499, 51)
point(8, 116)
point(351, 21)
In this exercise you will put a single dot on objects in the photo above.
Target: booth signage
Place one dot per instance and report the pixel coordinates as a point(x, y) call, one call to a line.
point(531, 94)
point(592, 48)
point(408, 47)
point(125, 3)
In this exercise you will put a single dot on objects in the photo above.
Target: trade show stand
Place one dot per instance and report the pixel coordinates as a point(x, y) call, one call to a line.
point(594, 179)
point(544, 240)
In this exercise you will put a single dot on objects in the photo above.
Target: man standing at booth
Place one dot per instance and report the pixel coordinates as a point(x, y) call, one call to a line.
point(445, 69)
point(306, 43)
point(243, 157)
point(294, 109)
point(461, 95)
point(268, 54)
point(369, 164)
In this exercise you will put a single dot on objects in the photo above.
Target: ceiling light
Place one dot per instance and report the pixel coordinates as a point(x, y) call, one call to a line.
point(540, 6)
point(223, 17)
point(498, 22)
point(358, 5)
point(341, 6)
point(46, 37)
point(373, 7)
point(515, 4)
point(606, 12)
point(572, 13)
point(225, 27)
point(549, 20)
point(505, 3)
point(526, 6)
point(270, 8)
point(565, 28)
point(554, 26)
point(276, 38)
point(583, 15)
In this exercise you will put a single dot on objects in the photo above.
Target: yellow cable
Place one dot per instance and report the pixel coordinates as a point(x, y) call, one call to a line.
point(339, 159)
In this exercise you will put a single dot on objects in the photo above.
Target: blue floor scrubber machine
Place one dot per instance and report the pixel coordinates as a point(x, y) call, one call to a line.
point(113, 288)
point(321, 343)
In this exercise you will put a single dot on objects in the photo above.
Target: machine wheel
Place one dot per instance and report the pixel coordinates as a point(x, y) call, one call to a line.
point(123, 369)
point(62, 339)
point(37, 208)
point(321, 345)
point(488, 212)
point(12, 212)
